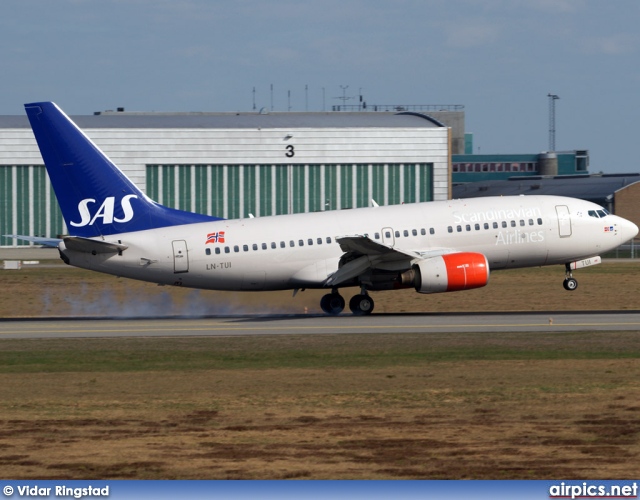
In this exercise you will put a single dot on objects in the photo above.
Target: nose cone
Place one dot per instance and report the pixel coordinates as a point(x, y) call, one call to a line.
point(628, 230)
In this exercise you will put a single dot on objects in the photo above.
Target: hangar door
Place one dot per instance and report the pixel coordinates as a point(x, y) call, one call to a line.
point(28, 204)
point(234, 191)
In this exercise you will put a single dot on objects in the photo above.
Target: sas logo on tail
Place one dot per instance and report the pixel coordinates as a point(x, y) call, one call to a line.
point(105, 212)
point(217, 237)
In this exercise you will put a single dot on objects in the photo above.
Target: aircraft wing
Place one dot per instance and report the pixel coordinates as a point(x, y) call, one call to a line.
point(47, 242)
point(361, 253)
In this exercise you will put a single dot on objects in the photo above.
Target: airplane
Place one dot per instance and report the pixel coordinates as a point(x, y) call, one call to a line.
point(433, 247)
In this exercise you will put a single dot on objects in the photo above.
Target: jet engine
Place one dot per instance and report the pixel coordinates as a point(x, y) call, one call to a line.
point(448, 273)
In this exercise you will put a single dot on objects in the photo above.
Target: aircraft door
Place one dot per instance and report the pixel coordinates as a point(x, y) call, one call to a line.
point(387, 236)
point(180, 257)
point(564, 221)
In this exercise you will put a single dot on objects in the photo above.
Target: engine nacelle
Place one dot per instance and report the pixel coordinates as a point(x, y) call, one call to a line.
point(449, 273)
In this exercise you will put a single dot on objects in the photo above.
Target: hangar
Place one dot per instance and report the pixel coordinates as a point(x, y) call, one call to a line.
point(237, 165)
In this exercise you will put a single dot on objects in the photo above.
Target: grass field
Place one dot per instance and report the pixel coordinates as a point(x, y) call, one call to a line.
point(357, 406)
point(519, 405)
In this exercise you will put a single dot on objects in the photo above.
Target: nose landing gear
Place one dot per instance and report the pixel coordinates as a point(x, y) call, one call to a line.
point(570, 283)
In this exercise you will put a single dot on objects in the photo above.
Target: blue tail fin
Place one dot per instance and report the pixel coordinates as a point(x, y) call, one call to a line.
point(96, 198)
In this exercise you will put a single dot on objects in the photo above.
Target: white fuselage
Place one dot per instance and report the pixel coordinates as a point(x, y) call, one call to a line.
point(301, 251)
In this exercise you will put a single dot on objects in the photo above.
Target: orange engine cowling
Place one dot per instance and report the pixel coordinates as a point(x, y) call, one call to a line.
point(451, 272)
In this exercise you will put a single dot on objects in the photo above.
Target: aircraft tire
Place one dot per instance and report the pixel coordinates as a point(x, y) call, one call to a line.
point(570, 284)
point(361, 305)
point(332, 303)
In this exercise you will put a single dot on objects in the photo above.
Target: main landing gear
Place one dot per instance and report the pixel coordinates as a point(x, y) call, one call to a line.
point(570, 283)
point(360, 305)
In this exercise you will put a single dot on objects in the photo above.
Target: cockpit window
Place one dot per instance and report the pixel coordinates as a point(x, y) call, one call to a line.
point(598, 214)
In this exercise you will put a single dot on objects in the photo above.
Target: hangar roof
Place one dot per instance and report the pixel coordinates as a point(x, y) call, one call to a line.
point(596, 188)
point(240, 120)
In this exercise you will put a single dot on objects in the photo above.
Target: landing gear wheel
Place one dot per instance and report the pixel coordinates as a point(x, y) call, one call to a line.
point(332, 303)
point(570, 284)
point(361, 305)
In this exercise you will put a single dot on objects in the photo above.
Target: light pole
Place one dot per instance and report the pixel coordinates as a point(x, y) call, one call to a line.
point(552, 121)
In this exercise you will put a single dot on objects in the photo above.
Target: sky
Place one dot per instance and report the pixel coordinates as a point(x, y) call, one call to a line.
point(498, 58)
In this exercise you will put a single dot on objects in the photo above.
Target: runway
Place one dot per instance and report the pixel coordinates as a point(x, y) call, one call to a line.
point(548, 322)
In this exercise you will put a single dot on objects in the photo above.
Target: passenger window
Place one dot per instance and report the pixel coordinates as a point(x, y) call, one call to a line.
point(217, 250)
point(450, 229)
point(414, 232)
point(300, 243)
point(245, 248)
point(376, 236)
point(310, 241)
point(531, 222)
point(273, 244)
point(387, 234)
point(495, 225)
point(282, 244)
point(292, 243)
point(504, 223)
point(477, 226)
point(423, 231)
point(522, 222)
point(328, 239)
point(227, 250)
point(208, 251)
point(432, 231)
point(468, 227)
point(513, 223)
point(397, 234)
point(236, 248)
point(319, 240)
point(255, 246)
point(486, 225)
point(264, 246)
point(405, 233)
point(459, 228)
point(539, 222)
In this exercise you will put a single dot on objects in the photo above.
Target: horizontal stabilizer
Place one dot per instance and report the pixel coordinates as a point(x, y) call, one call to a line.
point(47, 242)
point(77, 244)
